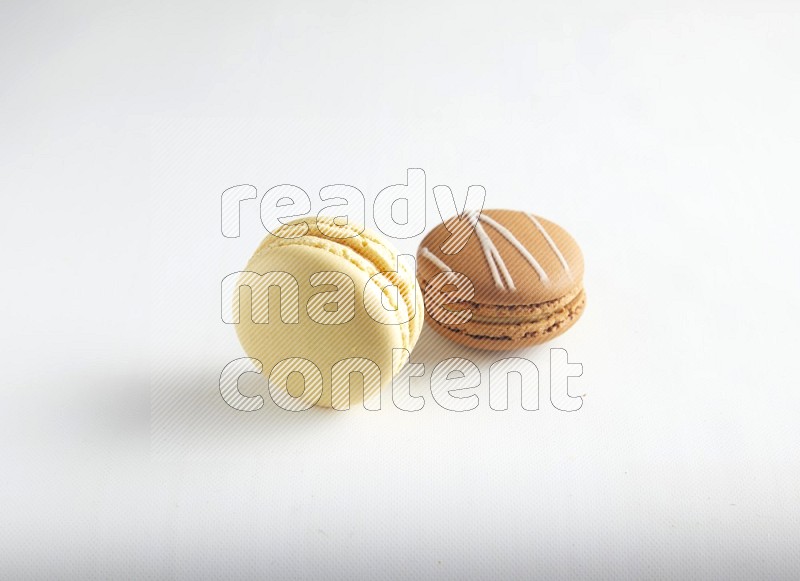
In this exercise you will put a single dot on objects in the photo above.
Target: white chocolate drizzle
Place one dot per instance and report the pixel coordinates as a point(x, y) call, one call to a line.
point(550, 241)
point(425, 253)
point(497, 266)
point(505, 233)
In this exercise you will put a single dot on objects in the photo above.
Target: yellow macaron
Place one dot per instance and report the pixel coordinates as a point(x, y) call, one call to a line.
point(331, 303)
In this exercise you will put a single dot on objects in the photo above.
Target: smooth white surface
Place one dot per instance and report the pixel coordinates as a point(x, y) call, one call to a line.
point(663, 135)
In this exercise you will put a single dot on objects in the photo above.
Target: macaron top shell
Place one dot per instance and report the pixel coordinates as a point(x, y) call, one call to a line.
point(512, 258)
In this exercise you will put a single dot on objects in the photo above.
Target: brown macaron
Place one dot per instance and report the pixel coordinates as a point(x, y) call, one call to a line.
point(501, 279)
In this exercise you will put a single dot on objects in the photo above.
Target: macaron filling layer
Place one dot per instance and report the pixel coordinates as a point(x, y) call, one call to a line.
point(510, 330)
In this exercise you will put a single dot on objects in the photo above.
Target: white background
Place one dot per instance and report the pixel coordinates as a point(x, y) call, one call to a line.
point(663, 135)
